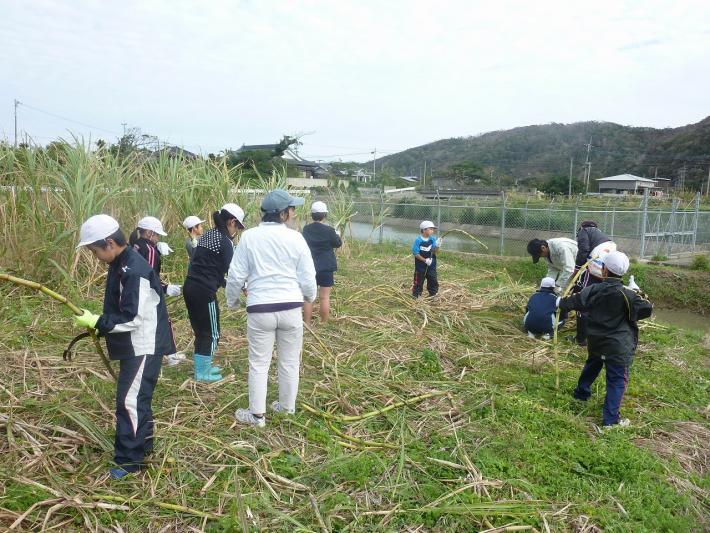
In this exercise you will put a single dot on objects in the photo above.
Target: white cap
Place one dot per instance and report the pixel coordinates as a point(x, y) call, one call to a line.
point(152, 224)
point(319, 207)
point(427, 224)
point(616, 263)
point(547, 282)
point(235, 211)
point(192, 221)
point(97, 228)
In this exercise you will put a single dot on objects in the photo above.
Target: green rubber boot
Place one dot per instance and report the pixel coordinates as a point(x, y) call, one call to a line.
point(203, 373)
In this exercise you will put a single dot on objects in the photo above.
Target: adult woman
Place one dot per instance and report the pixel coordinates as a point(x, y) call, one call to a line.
point(276, 263)
point(205, 276)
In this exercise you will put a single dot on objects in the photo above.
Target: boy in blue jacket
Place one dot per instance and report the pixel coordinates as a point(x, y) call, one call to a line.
point(424, 249)
point(135, 324)
point(540, 313)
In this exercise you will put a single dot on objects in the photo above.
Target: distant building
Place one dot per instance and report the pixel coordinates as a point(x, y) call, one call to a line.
point(361, 176)
point(173, 151)
point(625, 184)
point(410, 179)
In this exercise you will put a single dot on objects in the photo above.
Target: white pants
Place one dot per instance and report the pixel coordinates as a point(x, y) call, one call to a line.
point(286, 328)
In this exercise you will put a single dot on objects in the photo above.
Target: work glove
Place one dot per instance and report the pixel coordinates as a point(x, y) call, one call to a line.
point(557, 302)
point(428, 261)
point(173, 290)
point(87, 319)
point(163, 248)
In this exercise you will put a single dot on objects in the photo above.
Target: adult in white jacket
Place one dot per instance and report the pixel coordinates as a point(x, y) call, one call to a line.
point(560, 254)
point(275, 264)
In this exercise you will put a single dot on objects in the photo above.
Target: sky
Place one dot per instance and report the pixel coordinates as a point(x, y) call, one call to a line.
point(348, 77)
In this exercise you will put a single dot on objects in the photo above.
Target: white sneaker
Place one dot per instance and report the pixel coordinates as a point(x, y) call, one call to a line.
point(277, 408)
point(546, 337)
point(174, 358)
point(531, 335)
point(244, 416)
point(623, 423)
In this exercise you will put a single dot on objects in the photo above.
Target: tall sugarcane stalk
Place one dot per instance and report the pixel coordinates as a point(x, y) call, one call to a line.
point(73, 308)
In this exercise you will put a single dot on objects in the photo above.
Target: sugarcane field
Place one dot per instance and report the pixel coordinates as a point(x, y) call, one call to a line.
point(354, 266)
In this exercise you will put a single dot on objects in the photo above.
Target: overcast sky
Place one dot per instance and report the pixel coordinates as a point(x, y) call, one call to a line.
point(347, 75)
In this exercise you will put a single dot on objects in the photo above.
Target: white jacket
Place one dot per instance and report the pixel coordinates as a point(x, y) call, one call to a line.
point(561, 261)
point(275, 262)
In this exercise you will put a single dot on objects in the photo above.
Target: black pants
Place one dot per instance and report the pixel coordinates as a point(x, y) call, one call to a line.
point(203, 311)
point(134, 415)
point(432, 283)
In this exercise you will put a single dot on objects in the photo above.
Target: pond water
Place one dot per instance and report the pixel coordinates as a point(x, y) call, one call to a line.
point(683, 319)
point(405, 235)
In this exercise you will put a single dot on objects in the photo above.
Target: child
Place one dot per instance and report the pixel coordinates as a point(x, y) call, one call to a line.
point(612, 334)
point(194, 228)
point(540, 313)
point(425, 249)
point(321, 240)
point(205, 276)
point(145, 240)
point(135, 324)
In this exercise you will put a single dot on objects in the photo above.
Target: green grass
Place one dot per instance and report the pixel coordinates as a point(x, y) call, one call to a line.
point(503, 446)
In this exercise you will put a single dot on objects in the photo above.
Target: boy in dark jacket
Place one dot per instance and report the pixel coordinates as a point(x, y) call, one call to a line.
point(135, 324)
point(541, 311)
point(613, 311)
point(322, 241)
point(424, 250)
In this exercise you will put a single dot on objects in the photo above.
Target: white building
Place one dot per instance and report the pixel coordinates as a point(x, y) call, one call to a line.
point(625, 184)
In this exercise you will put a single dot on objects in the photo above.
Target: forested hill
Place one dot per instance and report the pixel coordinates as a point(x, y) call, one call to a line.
point(545, 150)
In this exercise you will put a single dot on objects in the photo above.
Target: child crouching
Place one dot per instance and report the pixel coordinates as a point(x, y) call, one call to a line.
point(540, 313)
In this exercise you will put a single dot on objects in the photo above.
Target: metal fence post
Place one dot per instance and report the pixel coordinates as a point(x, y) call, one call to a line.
point(576, 218)
point(549, 215)
point(672, 228)
point(697, 218)
point(525, 219)
point(613, 219)
point(644, 210)
point(438, 210)
point(382, 214)
point(502, 226)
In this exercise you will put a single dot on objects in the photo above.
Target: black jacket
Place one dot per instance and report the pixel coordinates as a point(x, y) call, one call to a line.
point(148, 251)
point(613, 310)
point(587, 239)
point(322, 239)
point(210, 263)
point(134, 320)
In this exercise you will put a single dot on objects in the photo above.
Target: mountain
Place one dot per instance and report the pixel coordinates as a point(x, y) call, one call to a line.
point(543, 151)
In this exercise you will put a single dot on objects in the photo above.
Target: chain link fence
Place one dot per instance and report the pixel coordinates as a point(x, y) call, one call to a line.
point(650, 229)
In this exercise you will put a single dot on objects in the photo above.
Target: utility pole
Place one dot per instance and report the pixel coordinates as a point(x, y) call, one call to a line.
point(124, 124)
point(588, 166)
point(569, 186)
point(424, 178)
point(682, 178)
point(707, 188)
point(17, 102)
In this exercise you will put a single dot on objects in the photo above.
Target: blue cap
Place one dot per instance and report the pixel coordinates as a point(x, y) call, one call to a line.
point(278, 200)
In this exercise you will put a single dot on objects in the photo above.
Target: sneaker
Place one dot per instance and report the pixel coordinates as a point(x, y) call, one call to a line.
point(174, 358)
point(546, 337)
point(622, 423)
point(244, 416)
point(277, 408)
point(531, 335)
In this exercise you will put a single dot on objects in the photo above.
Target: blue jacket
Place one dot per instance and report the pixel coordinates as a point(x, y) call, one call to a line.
point(540, 312)
point(134, 320)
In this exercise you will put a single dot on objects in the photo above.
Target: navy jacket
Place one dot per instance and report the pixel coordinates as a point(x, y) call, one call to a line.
point(148, 251)
point(587, 239)
point(613, 310)
point(540, 311)
point(134, 320)
point(321, 240)
point(210, 263)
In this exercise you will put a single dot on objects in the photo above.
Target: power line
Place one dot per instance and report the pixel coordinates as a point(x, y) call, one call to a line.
point(67, 119)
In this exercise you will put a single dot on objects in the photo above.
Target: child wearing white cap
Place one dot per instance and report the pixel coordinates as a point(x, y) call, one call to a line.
point(194, 228)
point(541, 310)
point(612, 335)
point(134, 322)
point(205, 276)
point(322, 241)
point(424, 249)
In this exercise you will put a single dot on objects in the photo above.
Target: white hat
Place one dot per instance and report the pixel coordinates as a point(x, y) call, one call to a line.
point(152, 224)
point(547, 282)
point(616, 263)
point(97, 228)
point(191, 221)
point(235, 211)
point(319, 207)
point(427, 224)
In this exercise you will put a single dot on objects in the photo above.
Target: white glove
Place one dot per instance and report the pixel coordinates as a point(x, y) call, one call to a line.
point(557, 302)
point(632, 284)
point(428, 261)
point(173, 290)
point(163, 248)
